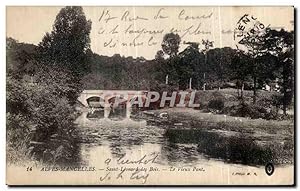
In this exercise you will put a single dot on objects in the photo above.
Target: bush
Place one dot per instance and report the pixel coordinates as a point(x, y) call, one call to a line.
point(273, 114)
point(248, 110)
point(39, 103)
point(18, 132)
point(204, 97)
point(216, 104)
point(36, 113)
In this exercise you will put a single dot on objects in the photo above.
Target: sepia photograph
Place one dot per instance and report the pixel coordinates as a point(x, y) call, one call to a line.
point(150, 95)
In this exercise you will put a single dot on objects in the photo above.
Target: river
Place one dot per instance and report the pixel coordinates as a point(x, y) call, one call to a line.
point(175, 146)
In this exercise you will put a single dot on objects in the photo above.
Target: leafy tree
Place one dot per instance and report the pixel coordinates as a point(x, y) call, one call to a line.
point(207, 44)
point(240, 69)
point(191, 66)
point(21, 58)
point(67, 46)
point(159, 55)
point(257, 49)
point(171, 69)
point(36, 109)
point(170, 44)
point(219, 60)
point(281, 44)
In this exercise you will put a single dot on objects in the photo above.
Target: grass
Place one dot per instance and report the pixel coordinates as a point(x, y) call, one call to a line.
point(231, 96)
point(234, 139)
point(240, 124)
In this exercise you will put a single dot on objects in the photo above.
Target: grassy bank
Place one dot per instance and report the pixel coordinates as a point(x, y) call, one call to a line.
point(229, 101)
point(234, 139)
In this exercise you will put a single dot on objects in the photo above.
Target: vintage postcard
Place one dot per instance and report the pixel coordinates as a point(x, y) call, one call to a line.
point(150, 95)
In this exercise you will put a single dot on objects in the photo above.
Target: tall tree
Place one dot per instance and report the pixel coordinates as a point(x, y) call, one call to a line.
point(170, 44)
point(67, 46)
point(191, 66)
point(68, 43)
point(254, 41)
point(281, 44)
point(207, 45)
point(240, 70)
point(219, 60)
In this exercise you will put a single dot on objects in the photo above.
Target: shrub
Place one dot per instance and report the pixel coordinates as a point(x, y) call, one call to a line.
point(249, 110)
point(273, 114)
point(17, 137)
point(39, 102)
point(36, 112)
point(216, 104)
point(204, 97)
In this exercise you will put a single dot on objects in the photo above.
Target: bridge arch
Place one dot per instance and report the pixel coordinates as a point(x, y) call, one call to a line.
point(117, 101)
point(95, 101)
point(107, 97)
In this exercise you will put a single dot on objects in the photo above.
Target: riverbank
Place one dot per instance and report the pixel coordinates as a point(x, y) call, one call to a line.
point(271, 139)
point(239, 124)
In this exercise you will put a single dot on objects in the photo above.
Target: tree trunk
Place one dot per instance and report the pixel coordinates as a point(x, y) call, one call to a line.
point(284, 108)
point(242, 91)
point(286, 85)
point(254, 89)
point(285, 96)
point(204, 82)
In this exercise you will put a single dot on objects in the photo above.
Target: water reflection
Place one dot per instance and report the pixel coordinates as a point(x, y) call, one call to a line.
point(178, 153)
point(97, 114)
point(117, 136)
point(114, 113)
point(212, 144)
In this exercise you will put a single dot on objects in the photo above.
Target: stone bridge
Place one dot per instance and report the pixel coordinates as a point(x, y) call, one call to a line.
point(106, 97)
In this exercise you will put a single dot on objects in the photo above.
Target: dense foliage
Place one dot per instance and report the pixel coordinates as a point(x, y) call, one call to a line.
point(42, 87)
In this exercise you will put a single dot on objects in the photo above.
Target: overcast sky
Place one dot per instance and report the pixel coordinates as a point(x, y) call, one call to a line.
point(114, 31)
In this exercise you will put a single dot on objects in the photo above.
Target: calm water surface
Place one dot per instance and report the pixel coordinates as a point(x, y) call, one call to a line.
point(117, 135)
